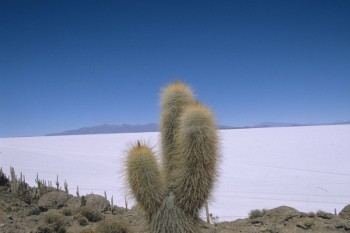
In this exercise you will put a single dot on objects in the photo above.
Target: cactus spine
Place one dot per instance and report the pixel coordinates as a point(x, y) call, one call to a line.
point(174, 100)
point(144, 178)
point(172, 196)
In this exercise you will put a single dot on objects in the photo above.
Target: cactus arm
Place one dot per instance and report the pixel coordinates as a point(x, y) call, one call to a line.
point(144, 178)
point(174, 99)
point(198, 157)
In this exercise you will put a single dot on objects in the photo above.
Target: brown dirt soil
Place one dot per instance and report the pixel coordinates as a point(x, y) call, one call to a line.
point(20, 214)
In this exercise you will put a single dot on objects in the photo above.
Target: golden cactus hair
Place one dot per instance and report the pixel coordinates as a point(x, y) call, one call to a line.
point(174, 99)
point(144, 178)
point(172, 196)
point(197, 158)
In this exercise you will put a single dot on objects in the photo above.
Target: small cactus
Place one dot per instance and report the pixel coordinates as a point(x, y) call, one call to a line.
point(57, 183)
point(3, 178)
point(14, 182)
point(173, 195)
point(66, 187)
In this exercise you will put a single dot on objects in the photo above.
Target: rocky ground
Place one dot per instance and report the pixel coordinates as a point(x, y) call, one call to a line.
point(58, 211)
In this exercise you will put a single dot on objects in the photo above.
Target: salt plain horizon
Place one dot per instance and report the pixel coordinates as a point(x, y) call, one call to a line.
point(304, 167)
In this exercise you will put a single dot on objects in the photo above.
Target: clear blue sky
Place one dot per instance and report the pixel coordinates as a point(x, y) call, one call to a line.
point(69, 64)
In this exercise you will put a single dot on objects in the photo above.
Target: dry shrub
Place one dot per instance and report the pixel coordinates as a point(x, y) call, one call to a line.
point(66, 211)
point(311, 214)
point(109, 226)
point(54, 223)
point(83, 221)
point(257, 213)
point(52, 216)
point(90, 213)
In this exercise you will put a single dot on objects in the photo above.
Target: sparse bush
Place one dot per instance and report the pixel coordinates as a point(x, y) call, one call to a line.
point(324, 214)
point(56, 227)
point(311, 214)
point(118, 210)
point(83, 221)
point(109, 226)
point(52, 216)
point(321, 212)
point(34, 211)
point(90, 213)
point(257, 213)
point(66, 211)
point(55, 223)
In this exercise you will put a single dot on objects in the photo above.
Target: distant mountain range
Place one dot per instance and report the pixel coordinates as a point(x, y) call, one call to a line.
point(276, 124)
point(152, 127)
point(109, 129)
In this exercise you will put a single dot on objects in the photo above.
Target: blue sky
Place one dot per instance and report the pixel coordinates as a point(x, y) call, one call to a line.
point(69, 64)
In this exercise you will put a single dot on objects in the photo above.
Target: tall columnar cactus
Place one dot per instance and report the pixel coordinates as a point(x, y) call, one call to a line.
point(173, 195)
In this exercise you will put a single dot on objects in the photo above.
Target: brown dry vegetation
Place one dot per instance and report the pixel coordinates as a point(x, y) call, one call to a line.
point(58, 211)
